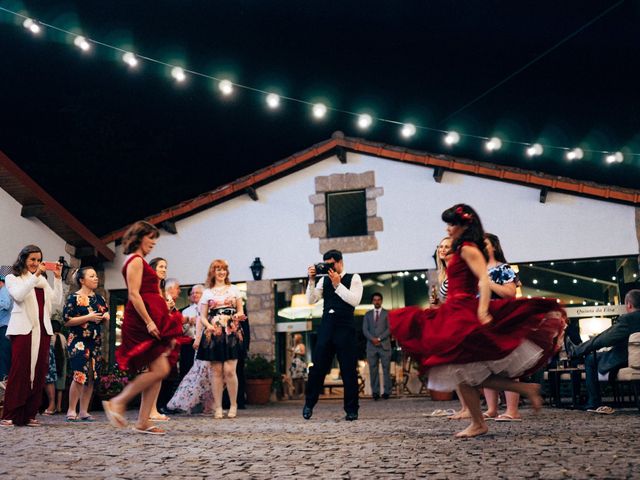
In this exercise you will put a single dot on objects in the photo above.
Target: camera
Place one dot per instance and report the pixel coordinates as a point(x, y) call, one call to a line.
point(323, 268)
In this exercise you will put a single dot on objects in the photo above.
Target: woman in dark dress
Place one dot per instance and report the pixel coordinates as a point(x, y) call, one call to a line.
point(84, 314)
point(148, 331)
point(470, 342)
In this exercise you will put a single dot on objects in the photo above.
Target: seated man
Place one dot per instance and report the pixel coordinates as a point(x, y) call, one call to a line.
point(617, 337)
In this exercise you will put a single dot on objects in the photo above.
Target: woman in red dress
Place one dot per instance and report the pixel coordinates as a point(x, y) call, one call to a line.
point(470, 342)
point(148, 331)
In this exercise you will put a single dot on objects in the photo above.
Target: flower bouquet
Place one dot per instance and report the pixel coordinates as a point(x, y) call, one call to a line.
point(111, 382)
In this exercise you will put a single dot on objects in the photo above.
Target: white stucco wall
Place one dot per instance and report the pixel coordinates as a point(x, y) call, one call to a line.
point(18, 232)
point(275, 228)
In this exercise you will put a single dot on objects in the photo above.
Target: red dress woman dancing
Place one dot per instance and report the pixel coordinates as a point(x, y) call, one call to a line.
point(148, 331)
point(470, 342)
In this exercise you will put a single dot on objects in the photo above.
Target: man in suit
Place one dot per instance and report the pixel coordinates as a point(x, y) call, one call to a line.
point(616, 337)
point(342, 293)
point(375, 327)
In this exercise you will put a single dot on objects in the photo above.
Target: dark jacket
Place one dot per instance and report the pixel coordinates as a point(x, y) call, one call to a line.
point(617, 337)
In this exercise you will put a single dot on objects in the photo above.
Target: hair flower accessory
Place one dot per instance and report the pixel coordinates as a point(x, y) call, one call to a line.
point(465, 216)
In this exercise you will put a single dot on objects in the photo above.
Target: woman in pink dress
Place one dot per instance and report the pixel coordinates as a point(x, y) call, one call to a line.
point(148, 331)
point(470, 342)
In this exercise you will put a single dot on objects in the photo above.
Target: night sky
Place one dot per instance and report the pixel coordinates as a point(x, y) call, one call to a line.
point(114, 145)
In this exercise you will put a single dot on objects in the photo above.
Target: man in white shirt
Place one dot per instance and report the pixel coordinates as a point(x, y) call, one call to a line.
point(341, 292)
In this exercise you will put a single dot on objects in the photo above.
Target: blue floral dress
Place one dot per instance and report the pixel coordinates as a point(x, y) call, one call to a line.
point(502, 274)
point(84, 343)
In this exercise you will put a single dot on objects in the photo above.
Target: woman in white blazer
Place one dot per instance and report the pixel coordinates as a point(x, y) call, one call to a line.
point(30, 332)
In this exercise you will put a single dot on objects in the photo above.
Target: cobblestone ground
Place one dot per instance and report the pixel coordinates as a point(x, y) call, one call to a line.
point(392, 439)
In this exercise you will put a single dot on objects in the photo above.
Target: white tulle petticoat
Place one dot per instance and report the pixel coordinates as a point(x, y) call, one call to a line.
point(445, 378)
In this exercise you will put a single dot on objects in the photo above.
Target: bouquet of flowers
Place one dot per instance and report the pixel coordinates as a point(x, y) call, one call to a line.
point(111, 382)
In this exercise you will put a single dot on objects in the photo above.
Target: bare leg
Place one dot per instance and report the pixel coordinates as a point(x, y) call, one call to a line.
point(154, 403)
point(50, 388)
point(472, 399)
point(231, 379)
point(492, 402)
point(85, 399)
point(59, 400)
point(158, 370)
point(217, 385)
point(74, 394)
point(513, 399)
point(464, 411)
point(529, 390)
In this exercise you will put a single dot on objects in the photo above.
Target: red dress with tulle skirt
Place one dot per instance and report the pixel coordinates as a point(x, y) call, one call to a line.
point(138, 348)
point(453, 334)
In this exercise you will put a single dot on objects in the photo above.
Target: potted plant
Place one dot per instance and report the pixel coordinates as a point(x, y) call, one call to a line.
point(259, 374)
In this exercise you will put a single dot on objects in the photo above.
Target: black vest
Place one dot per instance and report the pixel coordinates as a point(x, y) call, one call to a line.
point(342, 311)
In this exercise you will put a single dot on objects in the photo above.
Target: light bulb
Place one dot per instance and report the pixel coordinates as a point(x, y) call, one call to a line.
point(452, 138)
point(226, 87)
point(364, 120)
point(273, 100)
point(535, 150)
point(130, 59)
point(319, 110)
point(494, 143)
point(616, 157)
point(178, 74)
point(81, 43)
point(408, 130)
point(575, 154)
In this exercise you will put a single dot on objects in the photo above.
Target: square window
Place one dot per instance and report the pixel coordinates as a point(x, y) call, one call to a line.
point(346, 213)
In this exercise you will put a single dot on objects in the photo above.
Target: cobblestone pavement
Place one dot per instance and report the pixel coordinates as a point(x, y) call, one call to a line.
point(392, 439)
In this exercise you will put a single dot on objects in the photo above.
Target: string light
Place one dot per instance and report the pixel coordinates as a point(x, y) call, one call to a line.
point(408, 130)
point(130, 59)
point(226, 87)
point(319, 110)
point(273, 100)
point(494, 143)
point(535, 150)
point(364, 120)
point(81, 43)
point(452, 138)
point(178, 74)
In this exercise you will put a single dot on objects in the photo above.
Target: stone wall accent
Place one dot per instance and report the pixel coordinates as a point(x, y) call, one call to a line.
point(337, 182)
point(261, 312)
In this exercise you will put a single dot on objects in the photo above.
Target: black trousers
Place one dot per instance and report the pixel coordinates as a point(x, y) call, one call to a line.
point(340, 340)
point(187, 354)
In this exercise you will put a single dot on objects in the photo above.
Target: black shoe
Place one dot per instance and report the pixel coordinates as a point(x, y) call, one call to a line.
point(241, 407)
point(350, 417)
point(307, 412)
point(376, 397)
point(167, 411)
point(385, 396)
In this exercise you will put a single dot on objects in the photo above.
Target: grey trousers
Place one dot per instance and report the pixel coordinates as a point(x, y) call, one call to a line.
point(375, 355)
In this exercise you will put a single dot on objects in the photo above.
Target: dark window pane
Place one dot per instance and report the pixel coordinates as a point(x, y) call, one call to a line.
point(346, 214)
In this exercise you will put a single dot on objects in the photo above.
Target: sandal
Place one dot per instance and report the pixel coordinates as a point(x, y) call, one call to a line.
point(152, 430)
point(88, 418)
point(50, 412)
point(507, 418)
point(6, 423)
point(72, 418)
point(440, 413)
point(486, 416)
point(34, 423)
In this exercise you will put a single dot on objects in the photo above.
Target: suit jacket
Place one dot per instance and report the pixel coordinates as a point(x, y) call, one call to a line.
point(380, 330)
point(24, 315)
point(617, 337)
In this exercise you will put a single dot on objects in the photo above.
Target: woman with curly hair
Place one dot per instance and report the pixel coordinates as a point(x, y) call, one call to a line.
point(221, 312)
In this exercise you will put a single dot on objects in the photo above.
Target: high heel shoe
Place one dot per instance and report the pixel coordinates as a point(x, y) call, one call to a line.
point(233, 412)
point(218, 414)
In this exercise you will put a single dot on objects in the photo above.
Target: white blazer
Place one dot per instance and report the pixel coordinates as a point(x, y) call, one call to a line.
point(24, 315)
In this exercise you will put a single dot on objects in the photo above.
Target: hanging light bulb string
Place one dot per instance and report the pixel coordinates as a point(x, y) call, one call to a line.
point(319, 110)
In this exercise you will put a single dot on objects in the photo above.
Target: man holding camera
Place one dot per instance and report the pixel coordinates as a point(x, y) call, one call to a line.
point(341, 292)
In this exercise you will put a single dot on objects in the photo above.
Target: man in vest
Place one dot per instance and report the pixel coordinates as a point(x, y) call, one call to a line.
point(341, 292)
